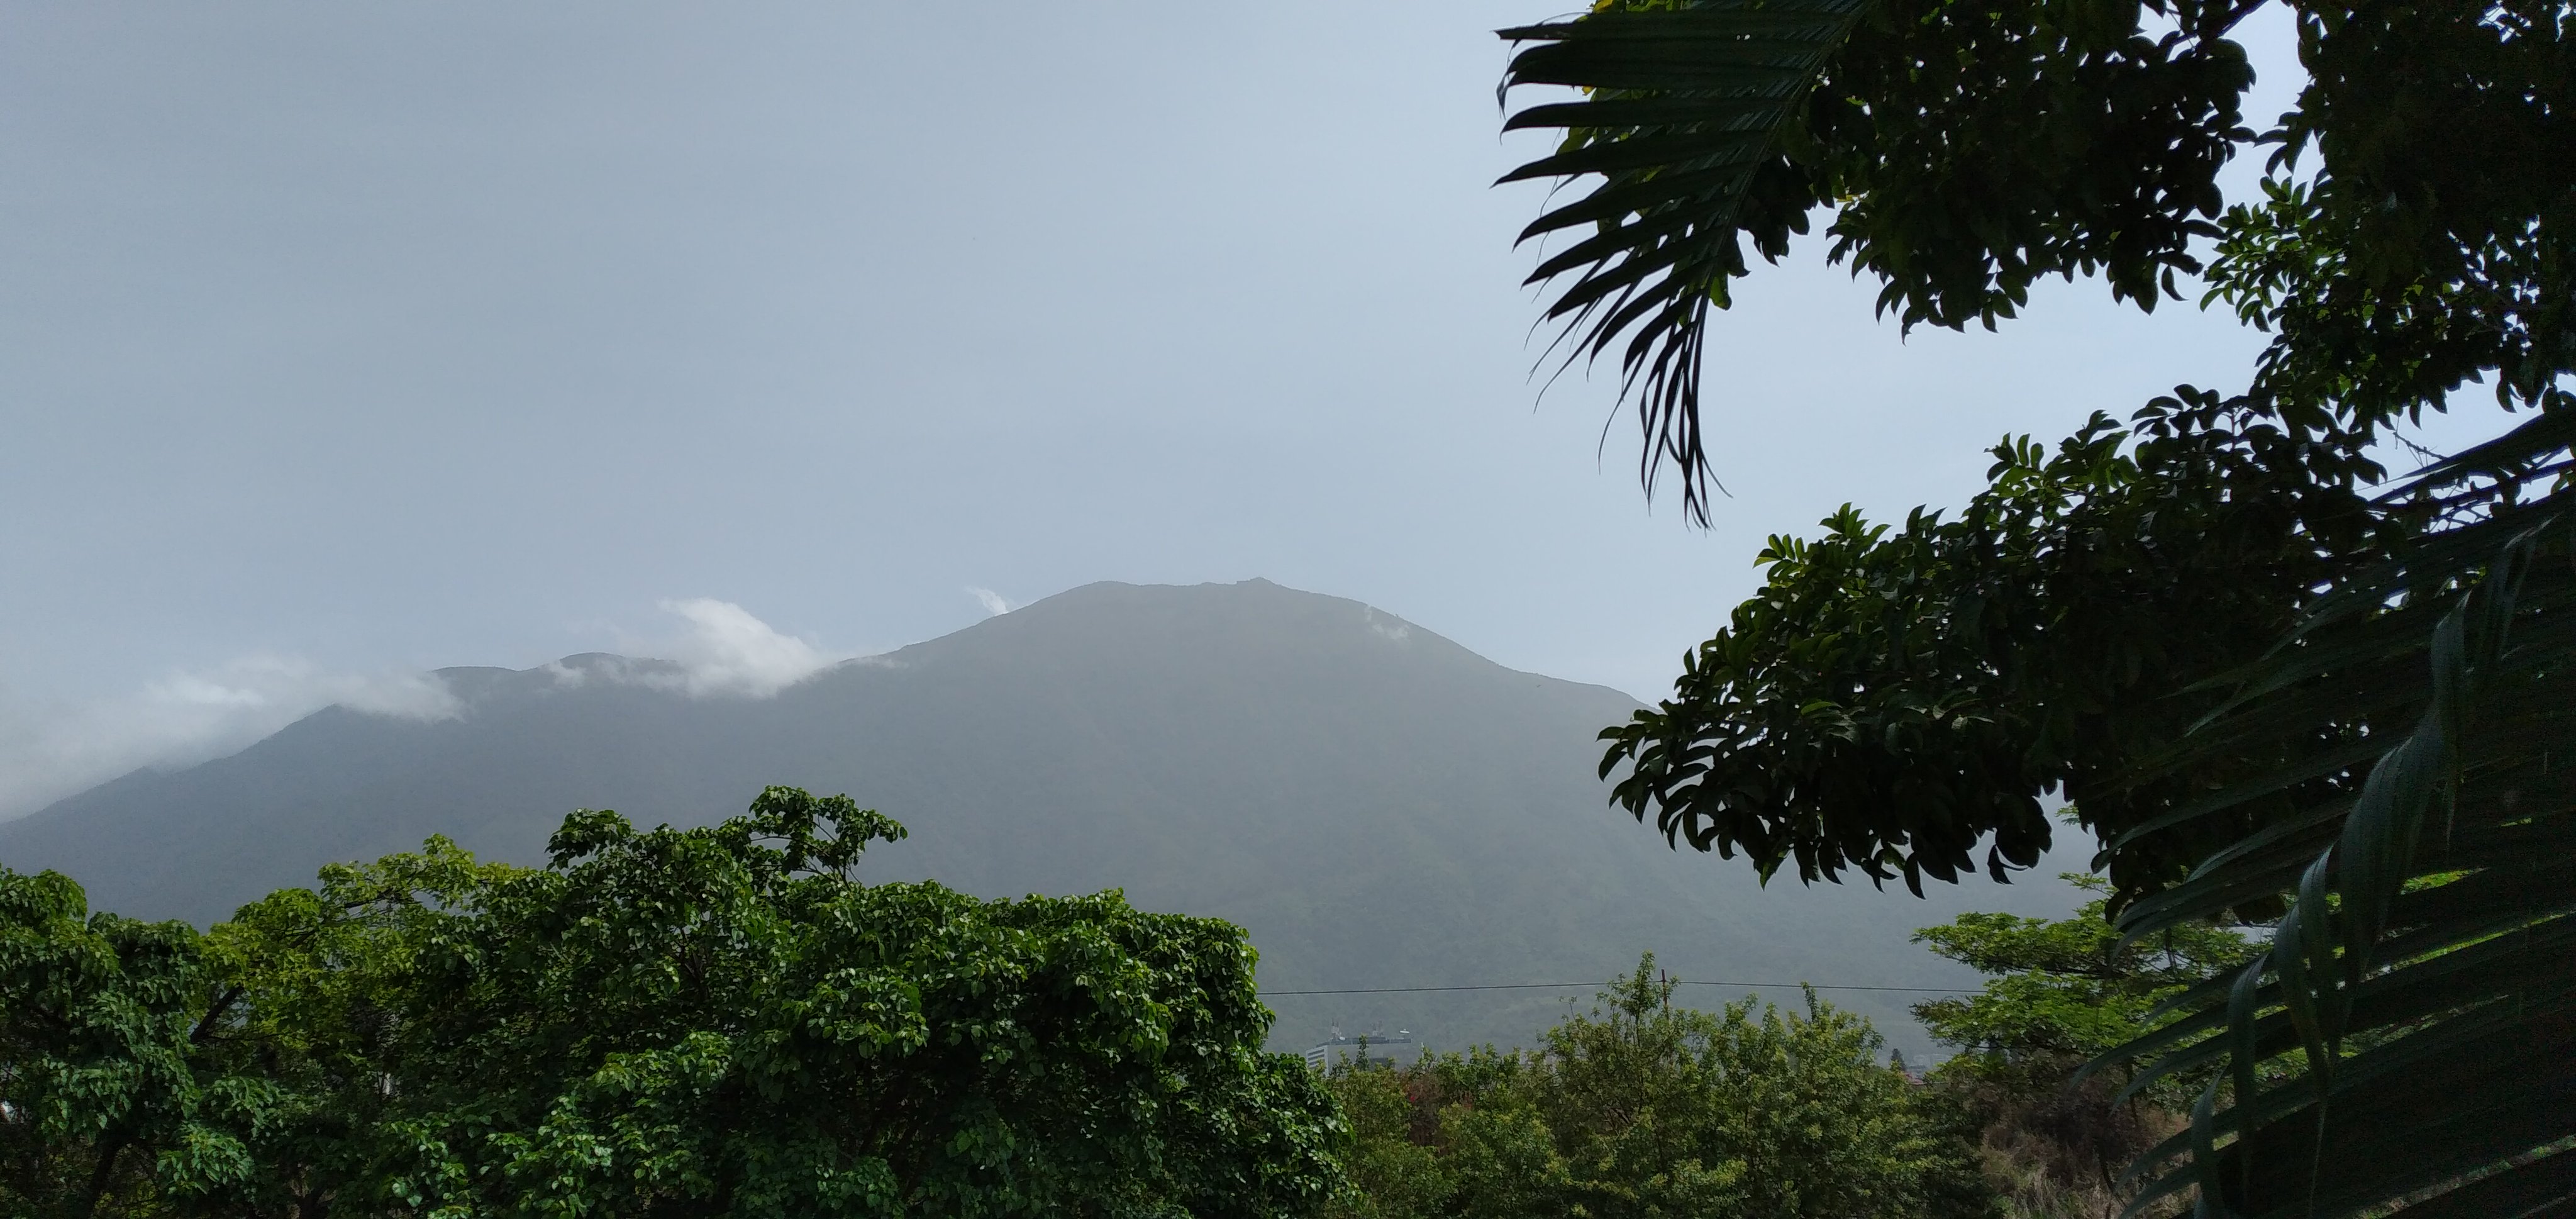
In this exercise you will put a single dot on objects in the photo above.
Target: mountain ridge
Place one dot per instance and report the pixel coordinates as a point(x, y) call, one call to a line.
point(1377, 804)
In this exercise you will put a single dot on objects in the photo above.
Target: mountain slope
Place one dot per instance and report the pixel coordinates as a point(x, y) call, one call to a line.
point(1376, 804)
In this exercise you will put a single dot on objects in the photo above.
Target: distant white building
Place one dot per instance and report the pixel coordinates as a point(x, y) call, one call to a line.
point(1341, 1049)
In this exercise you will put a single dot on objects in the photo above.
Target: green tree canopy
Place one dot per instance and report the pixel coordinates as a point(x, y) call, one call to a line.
point(2059, 993)
point(114, 1082)
point(2410, 235)
point(2272, 687)
point(718, 1021)
point(1644, 1109)
point(1894, 697)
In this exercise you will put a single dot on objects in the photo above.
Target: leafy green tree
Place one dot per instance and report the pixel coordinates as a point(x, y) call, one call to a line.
point(2060, 993)
point(1644, 1109)
point(718, 1021)
point(116, 1098)
point(2272, 689)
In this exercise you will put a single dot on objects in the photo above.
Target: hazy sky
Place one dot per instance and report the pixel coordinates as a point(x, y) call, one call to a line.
point(339, 341)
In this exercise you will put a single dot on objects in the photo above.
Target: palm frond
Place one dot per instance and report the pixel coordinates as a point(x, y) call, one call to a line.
point(1685, 102)
point(2409, 1039)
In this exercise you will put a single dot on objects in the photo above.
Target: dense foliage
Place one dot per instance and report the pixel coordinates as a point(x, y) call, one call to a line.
point(1644, 1109)
point(717, 1021)
point(1965, 151)
point(2409, 1033)
point(2038, 640)
point(1891, 698)
point(2059, 993)
point(2272, 688)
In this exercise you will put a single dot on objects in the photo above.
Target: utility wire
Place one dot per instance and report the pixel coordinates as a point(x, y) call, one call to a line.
point(1407, 990)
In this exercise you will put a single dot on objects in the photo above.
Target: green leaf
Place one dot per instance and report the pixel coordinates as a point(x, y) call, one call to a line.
point(1686, 100)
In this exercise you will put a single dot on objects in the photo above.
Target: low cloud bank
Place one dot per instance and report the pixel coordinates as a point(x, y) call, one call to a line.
point(194, 715)
point(725, 652)
point(186, 717)
point(729, 652)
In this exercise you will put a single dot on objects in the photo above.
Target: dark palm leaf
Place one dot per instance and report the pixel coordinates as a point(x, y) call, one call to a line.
point(1685, 101)
point(2410, 1036)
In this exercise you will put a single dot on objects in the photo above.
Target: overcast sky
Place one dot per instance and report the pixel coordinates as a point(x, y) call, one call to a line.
point(339, 342)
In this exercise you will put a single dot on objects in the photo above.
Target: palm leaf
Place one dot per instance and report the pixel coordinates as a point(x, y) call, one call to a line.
point(1685, 102)
point(2409, 1040)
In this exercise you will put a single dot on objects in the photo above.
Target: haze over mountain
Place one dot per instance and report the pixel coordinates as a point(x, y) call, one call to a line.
point(1379, 806)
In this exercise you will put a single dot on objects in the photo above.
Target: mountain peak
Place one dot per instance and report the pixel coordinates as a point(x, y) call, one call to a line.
point(1377, 805)
point(1168, 632)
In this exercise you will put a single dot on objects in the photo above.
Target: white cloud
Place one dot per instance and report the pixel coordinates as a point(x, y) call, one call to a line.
point(188, 716)
point(728, 651)
point(991, 601)
point(1396, 629)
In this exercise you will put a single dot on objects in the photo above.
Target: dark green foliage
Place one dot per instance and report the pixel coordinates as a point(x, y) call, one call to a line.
point(1686, 99)
point(2412, 1028)
point(712, 1022)
point(2267, 695)
point(2431, 247)
point(1892, 697)
point(1642, 1109)
point(1967, 150)
point(2047, 638)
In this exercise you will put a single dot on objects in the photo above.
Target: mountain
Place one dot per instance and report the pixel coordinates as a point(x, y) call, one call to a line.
point(1377, 805)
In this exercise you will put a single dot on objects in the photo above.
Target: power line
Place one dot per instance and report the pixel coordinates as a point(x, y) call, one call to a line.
point(1407, 990)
